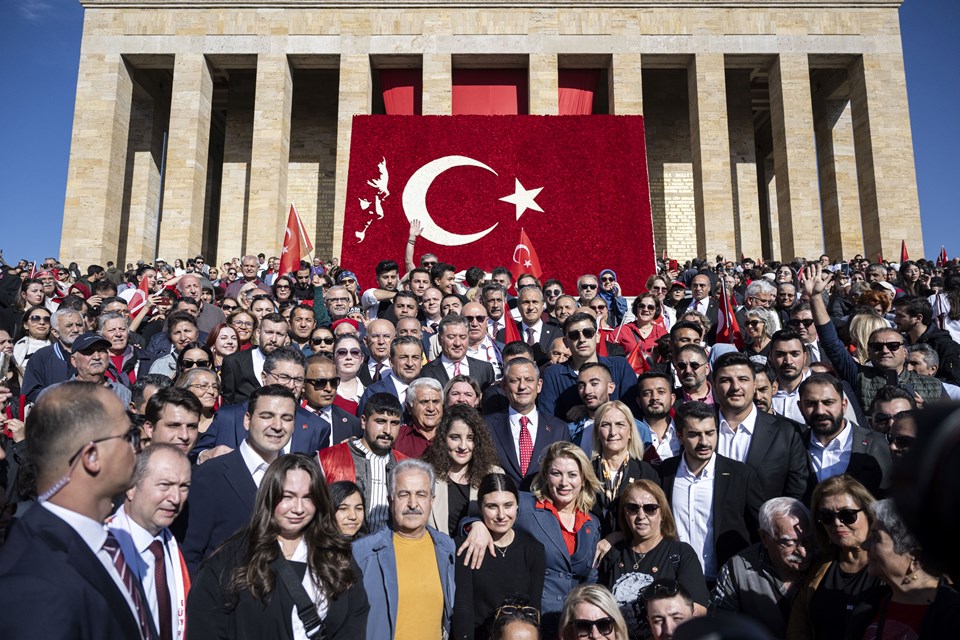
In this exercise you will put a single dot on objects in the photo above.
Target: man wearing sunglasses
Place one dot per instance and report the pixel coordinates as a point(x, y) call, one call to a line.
point(801, 321)
point(587, 287)
point(319, 392)
point(83, 449)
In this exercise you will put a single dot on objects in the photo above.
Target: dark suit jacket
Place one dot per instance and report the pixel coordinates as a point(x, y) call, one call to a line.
point(56, 587)
point(364, 373)
point(735, 502)
point(549, 430)
point(870, 461)
point(548, 333)
point(220, 503)
point(778, 456)
point(237, 377)
point(383, 386)
point(345, 426)
point(480, 371)
point(310, 431)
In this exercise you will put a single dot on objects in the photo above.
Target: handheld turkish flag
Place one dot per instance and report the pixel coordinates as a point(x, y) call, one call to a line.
point(524, 259)
point(638, 360)
point(296, 243)
point(728, 329)
point(138, 301)
point(942, 258)
point(511, 332)
point(903, 252)
point(474, 183)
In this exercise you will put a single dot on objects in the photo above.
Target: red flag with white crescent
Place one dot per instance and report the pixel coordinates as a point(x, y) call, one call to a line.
point(138, 300)
point(524, 258)
point(638, 360)
point(296, 243)
point(728, 329)
point(942, 258)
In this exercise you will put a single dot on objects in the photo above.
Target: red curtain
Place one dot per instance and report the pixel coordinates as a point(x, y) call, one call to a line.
point(577, 87)
point(402, 91)
point(490, 92)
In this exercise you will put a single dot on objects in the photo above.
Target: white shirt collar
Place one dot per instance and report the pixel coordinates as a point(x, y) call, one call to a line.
point(92, 532)
point(142, 538)
point(536, 327)
point(842, 442)
point(748, 424)
point(706, 473)
point(252, 459)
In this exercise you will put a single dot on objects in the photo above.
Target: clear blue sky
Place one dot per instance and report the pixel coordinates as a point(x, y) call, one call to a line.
point(40, 47)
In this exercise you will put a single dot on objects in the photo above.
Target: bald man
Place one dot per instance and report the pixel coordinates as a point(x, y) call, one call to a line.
point(210, 315)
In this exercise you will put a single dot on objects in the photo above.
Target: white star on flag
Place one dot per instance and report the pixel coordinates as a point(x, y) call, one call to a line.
point(523, 199)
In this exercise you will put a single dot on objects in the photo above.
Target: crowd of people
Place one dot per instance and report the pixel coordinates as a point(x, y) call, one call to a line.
point(200, 451)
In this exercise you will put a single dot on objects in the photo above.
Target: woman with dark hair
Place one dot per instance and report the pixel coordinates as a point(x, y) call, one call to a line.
point(909, 278)
point(517, 568)
point(648, 326)
point(35, 334)
point(462, 390)
point(245, 324)
point(283, 290)
point(348, 508)
point(461, 453)
point(31, 296)
point(222, 341)
point(195, 354)
point(245, 590)
point(348, 357)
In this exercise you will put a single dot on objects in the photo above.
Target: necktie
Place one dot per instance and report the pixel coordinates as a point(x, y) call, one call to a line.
point(112, 547)
point(376, 372)
point(531, 340)
point(456, 368)
point(526, 445)
point(163, 590)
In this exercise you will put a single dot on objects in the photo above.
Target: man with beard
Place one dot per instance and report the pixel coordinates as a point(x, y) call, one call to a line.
point(594, 385)
point(766, 386)
point(242, 371)
point(425, 407)
point(368, 459)
point(836, 445)
point(656, 397)
point(693, 372)
point(762, 580)
point(319, 391)
point(494, 298)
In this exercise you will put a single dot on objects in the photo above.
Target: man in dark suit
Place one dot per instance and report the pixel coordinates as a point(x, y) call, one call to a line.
point(60, 570)
point(284, 366)
point(223, 489)
point(712, 497)
point(835, 444)
point(701, 301)
point(771, 445)
point(380, 333)
point(533, 330)
point(240, 373)
point(453, 360)
point(521, 433)
point(406, 362)
point(319, 392)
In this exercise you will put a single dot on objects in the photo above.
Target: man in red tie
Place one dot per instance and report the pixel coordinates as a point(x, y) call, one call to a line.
point(521, 433)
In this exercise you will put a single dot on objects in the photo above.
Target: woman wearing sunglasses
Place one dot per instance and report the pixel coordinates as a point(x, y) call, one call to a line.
point(591, 612)
point(321, 343)
point(193, 355)
point(518, 566)
point(36, 335)
point(835, 586)
point(348, 356)
point(283, 290)
point(650, 551)
point(646, 328)
point(758, 329)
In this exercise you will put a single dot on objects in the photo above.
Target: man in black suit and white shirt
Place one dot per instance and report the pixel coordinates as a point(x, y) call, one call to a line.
point(319, 392)
point(522, 425)
point(406, 362)
point(60, 570)
point(701, 301)
point(533, 330)
point(711, 496)
point(241, 371)
point(453, 360)
point(380, 333)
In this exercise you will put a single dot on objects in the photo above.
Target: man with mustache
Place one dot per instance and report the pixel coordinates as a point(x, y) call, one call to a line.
point(762, 580)
point(368, 459)
point(836, 445)
point(656, 397)
point(90, 359)
point(408, 563)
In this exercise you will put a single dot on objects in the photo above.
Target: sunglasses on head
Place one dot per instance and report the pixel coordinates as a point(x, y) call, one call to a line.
point(320, 383)
point(604, 626)
point(574, 334)
point(845, 516)
point(902, 442)
point(660, 589)
point(632, 508)
point(512, 610)
point(588, 285)
point(797, 322)
point(329, 340)
point(893, 346)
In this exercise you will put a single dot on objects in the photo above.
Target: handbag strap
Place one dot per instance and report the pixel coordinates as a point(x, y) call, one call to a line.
point(306, 609)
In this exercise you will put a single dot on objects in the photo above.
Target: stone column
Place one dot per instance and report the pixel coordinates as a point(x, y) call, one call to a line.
point(355, 99)
point(625, 81)
point(795, 157)
point(543, 83)
point(185, 179)
point(710, 146)
point(842, 233)
point(270, 155)
point(94, 199)
point(235, 180)
point(437, 98)
point(743, 164)
point(148, 121)
point(889, 203)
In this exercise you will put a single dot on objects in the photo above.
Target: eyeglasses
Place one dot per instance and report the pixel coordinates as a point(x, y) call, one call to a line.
point(189, 364)
point(320, 383)
point(660, 589)
point(283, 378)
point(338, 299)
point(604, 626)
point(229, 308)
point(39, 319)
point(206, 386)
point(588, 285)
point(329, 340)
point(574, 334)
point(893, 346)
point(797, 322)
point(553, 292)
point(902, 442)
point(845, 516)
point(693, 366)
point(755, 323)
point(132, 436)
point(883, 418)
point(242, 323)
point(632, 508)
point(789, 544)
point(607, 279)
point(343, 353)
point(478, 319)
point(512, 610)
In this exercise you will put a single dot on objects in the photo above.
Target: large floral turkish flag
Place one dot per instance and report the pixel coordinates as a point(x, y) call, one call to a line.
point(577, 185)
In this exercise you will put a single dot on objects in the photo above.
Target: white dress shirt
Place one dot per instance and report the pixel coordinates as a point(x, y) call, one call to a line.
point(537, 331)
point(487, 352)
point(258, 358)
point(693, 511)
point(833, 459)
point(401, 388)
point(256, 465)
point(670, 445)
point(736, 444)
point(703, 305)
point(372, 368)
point(451, 370)
point(494, 327)
point(514, 417)
point(313, 590)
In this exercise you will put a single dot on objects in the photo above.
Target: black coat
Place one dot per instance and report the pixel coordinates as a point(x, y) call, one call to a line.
point(778, 455)
point(870, 461)
point(549, 430)
point(606, 511)
point(237, 376)
point(480, 371)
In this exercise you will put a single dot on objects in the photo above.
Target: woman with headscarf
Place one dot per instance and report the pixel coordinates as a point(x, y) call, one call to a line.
point(610, 292)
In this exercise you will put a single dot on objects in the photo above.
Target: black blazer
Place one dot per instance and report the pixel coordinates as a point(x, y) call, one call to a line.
point(345, 425)
point(870, 461)
point(220, 502)
point(549, 430)
point(237, 378)
point(248, 617)
point(56, 587)
point(735, 501)
point(310, 432)
point(548, 333)
point(480, 371)
point(778, 456)
point(712, 313)
point(364, 373)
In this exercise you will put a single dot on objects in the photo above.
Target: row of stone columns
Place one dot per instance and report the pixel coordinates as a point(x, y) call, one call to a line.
point(858, 166)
